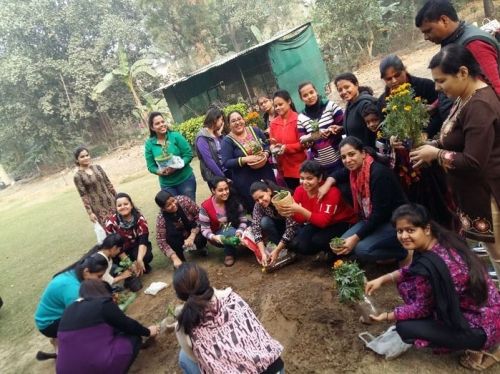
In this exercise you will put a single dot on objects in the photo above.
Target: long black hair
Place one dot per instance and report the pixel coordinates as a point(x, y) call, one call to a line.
point(135, 212)
point(350, 77)
point(94, 263)
point(77, 151)
point(233, 202)
point(452, 57)
point(358, 145)
point(211, 117)
point(95, 289)
point(285, 95)
point(418, 216)
point(151, 117)
point(191, 285)
point(264, 185)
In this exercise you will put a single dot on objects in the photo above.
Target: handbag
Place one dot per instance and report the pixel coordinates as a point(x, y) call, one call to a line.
point(388, 344)
point(99, 232)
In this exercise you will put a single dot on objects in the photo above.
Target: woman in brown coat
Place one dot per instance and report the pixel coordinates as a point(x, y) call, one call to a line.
point(469, 145)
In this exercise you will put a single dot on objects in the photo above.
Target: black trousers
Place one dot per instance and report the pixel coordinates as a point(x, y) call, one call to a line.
point(440, 335)
point(132, 254)
point(311, 239)
point(199, 241)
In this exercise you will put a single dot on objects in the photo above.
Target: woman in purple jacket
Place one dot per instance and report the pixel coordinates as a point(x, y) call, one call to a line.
point(95, 336)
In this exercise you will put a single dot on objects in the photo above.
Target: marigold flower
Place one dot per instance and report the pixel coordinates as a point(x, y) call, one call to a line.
point(394, 107)
point(407, 108)
point(418, 99)
point(338, 264)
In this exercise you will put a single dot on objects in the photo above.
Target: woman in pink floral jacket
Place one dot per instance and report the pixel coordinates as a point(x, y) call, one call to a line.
point(450, 302)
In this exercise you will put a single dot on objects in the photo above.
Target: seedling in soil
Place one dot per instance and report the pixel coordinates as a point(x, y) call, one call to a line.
point(281, 194)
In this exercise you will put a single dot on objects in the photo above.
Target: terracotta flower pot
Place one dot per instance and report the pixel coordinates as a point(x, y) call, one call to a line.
point(258, 164)
point(283, 202)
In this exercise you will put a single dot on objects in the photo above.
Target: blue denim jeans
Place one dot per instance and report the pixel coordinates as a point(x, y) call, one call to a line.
point(381, 244)
point(187, 365)
point(273, 228)
point(229, 250)
point(186, 188)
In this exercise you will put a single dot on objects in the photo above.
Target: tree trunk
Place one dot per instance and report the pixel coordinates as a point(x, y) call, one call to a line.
point(489, 9)
point(137, 101)
point(232, 35)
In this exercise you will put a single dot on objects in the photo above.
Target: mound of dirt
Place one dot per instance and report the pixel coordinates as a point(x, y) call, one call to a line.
point(296, 304)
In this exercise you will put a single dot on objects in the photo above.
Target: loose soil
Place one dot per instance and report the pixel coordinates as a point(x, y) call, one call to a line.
point(296, 304)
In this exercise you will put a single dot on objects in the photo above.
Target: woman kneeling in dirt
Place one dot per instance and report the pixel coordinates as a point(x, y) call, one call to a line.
point(278, 229)
point(222, 217)
point(177, 228)
point(95, 336)
point(131, 225)
point(61, 291)
point(450, 302)
point(375, 194)
point(323, 219)
point(208, 324)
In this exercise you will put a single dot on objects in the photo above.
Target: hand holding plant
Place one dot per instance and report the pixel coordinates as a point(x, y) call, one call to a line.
point(406, 116)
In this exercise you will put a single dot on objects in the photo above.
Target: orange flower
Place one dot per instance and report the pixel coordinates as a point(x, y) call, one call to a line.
point(338, 264)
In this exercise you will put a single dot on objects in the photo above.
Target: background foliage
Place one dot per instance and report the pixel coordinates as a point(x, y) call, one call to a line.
point(86, 71)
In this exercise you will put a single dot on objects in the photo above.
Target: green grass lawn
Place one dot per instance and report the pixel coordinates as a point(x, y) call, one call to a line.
point(39, 238)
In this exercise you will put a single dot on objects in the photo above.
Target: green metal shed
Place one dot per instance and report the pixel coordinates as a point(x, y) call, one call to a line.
point(283, 61)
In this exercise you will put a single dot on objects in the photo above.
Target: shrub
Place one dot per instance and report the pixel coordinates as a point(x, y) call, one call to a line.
point(190, 128)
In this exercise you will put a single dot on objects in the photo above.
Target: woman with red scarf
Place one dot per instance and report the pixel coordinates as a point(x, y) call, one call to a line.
point(376, 194)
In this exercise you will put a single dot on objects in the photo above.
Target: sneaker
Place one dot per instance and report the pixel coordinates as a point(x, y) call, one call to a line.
point(479, 249)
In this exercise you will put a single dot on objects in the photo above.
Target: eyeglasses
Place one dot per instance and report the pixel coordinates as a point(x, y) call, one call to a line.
point(236, 120)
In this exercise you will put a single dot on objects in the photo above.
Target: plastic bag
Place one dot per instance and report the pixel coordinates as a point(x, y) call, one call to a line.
point(388, 344)
point(99, 232)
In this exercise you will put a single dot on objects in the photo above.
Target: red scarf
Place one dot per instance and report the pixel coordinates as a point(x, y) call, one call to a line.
point(360, 188)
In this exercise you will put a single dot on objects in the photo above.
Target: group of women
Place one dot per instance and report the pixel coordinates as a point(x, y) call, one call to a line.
point(345, 183)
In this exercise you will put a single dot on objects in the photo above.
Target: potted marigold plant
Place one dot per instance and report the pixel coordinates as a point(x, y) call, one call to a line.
point(350, 285)
point(254, 119)
point(406, 116)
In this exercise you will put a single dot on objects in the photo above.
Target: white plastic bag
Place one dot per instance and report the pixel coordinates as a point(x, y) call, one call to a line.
point(99, 232)
point(155, 287)
point(388, 344)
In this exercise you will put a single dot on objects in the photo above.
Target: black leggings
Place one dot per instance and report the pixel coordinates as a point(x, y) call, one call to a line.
point(199, 241)
point(312, 239)
point(132, 254)
point(440, 335)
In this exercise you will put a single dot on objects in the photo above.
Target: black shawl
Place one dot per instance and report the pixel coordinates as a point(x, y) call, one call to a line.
point(432, 267)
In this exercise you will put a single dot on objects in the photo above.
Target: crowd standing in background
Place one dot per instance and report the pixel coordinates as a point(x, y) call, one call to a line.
point(344, 181)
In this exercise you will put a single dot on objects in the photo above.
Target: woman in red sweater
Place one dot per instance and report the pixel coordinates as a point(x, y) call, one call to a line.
point(284, 138)
point(323, 219)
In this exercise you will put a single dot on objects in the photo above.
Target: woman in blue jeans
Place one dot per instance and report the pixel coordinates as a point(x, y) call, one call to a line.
point(376, 194)
point(222, 215)
point(163, 144)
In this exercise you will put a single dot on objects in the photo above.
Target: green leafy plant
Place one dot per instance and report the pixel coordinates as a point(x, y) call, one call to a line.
point(314, 125)
point(406, 115)
point(281, 194)
point(337, 242)
point(240, 107)
point(190, 128)
point(124, 264)
point(349, 281)
point(254, 147)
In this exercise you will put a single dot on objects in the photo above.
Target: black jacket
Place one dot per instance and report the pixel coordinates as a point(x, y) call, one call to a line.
point(354, 125)
point(386, 195)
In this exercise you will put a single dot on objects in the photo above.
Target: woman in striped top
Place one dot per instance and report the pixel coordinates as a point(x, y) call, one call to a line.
point(329, 115)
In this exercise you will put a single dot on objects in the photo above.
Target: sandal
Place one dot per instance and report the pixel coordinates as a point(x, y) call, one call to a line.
point(229, 261)
point(480, 360)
